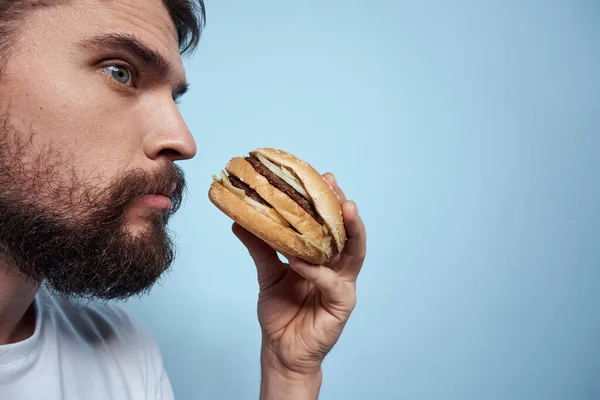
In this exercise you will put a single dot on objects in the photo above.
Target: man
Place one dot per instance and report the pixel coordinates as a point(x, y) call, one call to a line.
point(89, 134)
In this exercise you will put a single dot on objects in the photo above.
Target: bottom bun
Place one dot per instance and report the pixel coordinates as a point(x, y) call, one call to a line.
point(282, 239)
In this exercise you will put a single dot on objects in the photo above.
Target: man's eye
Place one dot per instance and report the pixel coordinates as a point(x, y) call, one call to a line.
point(120, 74)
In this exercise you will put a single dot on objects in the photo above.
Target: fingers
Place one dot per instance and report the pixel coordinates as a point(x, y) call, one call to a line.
point(329, 177)
point(325, 280)
point(269, 267)
point(354, 252)
point(352, 258)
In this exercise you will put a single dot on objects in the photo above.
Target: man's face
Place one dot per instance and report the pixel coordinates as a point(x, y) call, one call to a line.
point(88, 129)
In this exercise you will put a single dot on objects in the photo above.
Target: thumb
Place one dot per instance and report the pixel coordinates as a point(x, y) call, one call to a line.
point(269, 267)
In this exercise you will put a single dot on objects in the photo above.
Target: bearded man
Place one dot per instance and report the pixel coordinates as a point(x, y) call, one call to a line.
point(89, 136)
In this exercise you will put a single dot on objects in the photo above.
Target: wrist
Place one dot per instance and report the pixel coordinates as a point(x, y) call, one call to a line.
point(280, 382)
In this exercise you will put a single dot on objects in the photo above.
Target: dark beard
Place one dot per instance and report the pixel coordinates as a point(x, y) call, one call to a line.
point(71, 236)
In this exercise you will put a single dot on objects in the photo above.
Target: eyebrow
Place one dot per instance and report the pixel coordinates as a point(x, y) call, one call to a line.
point(144, 53)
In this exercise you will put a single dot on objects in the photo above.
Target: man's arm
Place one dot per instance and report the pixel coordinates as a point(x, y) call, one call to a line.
point(277, 382)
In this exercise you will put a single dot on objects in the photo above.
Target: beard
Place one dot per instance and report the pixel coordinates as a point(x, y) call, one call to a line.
point(70, 233)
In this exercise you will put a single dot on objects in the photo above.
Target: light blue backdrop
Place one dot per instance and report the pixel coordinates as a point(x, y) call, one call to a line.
point(469, 134)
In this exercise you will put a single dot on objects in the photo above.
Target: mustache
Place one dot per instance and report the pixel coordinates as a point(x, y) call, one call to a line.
point(139, 182)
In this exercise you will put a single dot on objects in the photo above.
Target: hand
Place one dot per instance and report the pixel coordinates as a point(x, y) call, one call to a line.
point(303, 308)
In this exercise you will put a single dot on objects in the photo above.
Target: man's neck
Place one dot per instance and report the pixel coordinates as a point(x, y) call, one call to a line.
point(17, 314)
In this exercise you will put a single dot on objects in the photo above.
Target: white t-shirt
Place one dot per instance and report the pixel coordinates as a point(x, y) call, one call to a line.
point(83, 352)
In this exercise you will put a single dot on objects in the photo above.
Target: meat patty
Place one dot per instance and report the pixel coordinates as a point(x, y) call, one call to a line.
point(246, 188)
point(283, 186)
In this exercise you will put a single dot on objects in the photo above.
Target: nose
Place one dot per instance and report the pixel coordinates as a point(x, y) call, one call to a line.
point(168, 135)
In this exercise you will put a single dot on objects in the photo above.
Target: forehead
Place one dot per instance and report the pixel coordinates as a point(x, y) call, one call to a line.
point(147, 15)
point(147, 20)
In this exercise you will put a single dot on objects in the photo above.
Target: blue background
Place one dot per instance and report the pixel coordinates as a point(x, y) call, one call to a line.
point(469, 134)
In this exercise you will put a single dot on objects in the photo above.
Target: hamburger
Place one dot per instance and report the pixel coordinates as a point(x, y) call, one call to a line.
point(283, 201)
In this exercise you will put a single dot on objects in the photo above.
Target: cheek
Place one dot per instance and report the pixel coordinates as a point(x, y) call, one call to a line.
point(72, 111)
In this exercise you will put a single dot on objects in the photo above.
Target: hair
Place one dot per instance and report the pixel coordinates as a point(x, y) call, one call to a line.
point(188, 16)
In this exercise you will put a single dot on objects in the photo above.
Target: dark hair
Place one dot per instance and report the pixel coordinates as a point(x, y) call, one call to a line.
point(188, 16)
